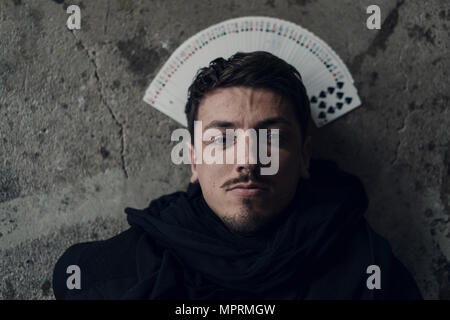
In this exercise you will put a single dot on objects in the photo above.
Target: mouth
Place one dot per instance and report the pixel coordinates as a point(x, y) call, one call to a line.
point(247, 189)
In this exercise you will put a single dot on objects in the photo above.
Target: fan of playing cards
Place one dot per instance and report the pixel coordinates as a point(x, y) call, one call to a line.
point(328, 82)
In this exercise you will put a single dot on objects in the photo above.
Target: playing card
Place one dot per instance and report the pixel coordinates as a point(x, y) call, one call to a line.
point(326, 78)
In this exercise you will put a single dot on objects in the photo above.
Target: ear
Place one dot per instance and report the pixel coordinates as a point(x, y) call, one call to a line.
point(192, 159)
point(306, 158)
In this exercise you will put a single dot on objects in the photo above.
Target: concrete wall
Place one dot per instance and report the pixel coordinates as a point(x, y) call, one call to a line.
point(78, 145)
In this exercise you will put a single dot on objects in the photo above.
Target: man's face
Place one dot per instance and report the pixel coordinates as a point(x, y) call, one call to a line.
point(245, 210)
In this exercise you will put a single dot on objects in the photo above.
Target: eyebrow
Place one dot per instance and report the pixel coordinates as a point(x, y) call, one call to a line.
point(273, 121)
point(262, 124)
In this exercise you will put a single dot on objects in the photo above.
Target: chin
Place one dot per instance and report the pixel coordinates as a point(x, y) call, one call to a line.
point(242, 228)
point(243, 222)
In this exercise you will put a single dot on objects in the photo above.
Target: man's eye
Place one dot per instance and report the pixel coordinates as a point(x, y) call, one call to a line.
point(224, 140)
point(272, 135)
point(219, 140)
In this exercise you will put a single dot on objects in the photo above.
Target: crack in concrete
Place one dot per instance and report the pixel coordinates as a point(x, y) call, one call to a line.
point(401, 130)
point(402, 68)
point(393, 161)
point(445, 183)
point(379, 42)
point(106, 17)
point(407, 80)
point(441, 271)
point(92, 59)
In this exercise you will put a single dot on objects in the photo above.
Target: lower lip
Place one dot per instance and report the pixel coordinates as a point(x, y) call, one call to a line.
point(246, 191)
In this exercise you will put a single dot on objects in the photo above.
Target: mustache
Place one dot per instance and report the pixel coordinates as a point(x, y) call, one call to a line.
point(242, 179)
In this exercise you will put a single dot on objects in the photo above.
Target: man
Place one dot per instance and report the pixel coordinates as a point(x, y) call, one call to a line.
point(238, 234)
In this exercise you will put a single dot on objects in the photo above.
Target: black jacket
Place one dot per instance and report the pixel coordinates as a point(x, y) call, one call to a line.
point(319, 248)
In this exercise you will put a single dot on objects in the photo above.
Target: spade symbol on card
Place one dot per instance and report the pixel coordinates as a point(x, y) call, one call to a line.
point(322, 115)
point(322, 105)
point(339, 105)
point(314, 99)
point(348, 100)
point(322, 94)
point(340, 84)
point(330, 90)
point(330, 110)
point(339, 95)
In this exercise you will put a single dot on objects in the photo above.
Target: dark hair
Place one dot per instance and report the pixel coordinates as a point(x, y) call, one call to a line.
point(258, 69)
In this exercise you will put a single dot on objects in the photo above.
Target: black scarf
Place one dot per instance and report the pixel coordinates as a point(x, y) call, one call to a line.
point(318, 247)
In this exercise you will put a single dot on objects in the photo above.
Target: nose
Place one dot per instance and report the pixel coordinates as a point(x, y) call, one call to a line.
point(249, 161)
